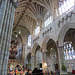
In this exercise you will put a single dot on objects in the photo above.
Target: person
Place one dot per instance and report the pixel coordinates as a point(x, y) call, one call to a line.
point(51, 73)
point(34, 71)
point(27, 73)
point(37, 71)
point(57, 72)
point(15, 73)
point(48, 72)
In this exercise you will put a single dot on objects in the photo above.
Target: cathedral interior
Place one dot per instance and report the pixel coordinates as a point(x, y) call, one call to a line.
point(37, 34)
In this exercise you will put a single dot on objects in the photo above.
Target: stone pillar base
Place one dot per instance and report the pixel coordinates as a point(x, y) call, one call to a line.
point(44, 61)
point(33, 62)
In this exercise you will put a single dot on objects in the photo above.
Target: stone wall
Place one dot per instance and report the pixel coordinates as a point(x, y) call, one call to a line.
point(56, 31)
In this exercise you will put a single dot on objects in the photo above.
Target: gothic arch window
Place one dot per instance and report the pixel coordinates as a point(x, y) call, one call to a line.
point(67, 4)
point(29, 40)
point(69, 51)
point(37, 30)
point(48, 19)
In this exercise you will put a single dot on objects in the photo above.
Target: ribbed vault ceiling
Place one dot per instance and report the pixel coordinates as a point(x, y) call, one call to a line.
point(29, 11)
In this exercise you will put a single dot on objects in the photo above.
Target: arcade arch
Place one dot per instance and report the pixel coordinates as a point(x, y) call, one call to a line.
point(52, 56)
point(65, 46)
point(56, 45)
point(38, 55)
point(62, 33)
point(69, 49)
point(34, 48)
point(45, 41)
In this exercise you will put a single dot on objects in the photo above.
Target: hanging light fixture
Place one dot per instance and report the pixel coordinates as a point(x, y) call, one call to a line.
point(19, 32)
point(16, 35)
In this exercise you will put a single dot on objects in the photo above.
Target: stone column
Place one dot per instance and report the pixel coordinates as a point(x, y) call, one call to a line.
point(6, 48)
point(23, 52)
point(8, 38)
point(33, 62)
point(24, 40)
point(11, 23)
point(44, 61)
point(3, 7)
point(61, 57)
point(2, 39)
point(5, 35)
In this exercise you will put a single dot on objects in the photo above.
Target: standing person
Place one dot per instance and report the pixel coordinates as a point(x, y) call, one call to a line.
point(48, 72)
point(56, 72)
point(15, 71)
point(51, 73)
point(27, 73)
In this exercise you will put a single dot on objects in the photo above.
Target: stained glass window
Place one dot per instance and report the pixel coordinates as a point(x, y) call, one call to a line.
point(53, 53)
point(69, 51)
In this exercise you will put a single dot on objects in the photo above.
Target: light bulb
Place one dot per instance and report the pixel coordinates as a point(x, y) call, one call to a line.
point(19, 32)
point(16, 35)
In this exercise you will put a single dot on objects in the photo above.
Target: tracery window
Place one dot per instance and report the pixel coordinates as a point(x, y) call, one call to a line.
point(48, 20)
point(69, 51)
point(29, 40)
point(37, 30)
point(67, 4)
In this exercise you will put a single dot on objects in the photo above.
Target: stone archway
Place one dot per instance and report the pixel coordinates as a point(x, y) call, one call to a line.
point(52, 55)
point(35, 48)
point(62, 33)
point(44, 51)
point(38, 55)
point(45, 41)
point(69, 49)
point(61, 40)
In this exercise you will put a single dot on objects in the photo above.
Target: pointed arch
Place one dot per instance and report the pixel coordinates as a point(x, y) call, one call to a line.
point(63, 32)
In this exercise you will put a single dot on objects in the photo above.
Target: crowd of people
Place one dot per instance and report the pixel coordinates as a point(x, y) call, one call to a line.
point(36, 71)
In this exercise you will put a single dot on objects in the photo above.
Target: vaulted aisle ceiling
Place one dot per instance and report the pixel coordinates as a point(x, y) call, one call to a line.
point(29, 11)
